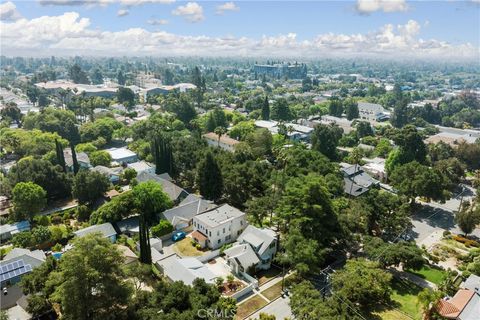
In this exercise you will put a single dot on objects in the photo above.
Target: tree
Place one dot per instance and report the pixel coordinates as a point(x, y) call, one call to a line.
point(51, 178)
point(209, 179)
point(260, 142)
point(468, 217)
point(97, 77)
point(100, 158)
point(281, 110)
point(411, 144)
point(362, 282)
point(126, 97)
point(394, 254)
point(335, 108)
point(400, 116)
point(28, 199)
point(89, 282)
point(88, 186)
point(414, 179)
point(325, 140)
point(22, 239)
point(266, 109)
point(469, 153)
point(163, 155)
point(428, 299)
point(78, 75)
point(12, 111)
point(351, 109)
point(41, 234)
point(149, 201)
point(162, 228)
point(54, 120)
point(199, 81)
point(364, 129)
point(60, 155)
point(220, 131)
point(121, 78)
point(76, 166)
point(128, 175)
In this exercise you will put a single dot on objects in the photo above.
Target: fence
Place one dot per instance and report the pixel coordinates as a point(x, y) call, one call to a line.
point(209, 256)
point(237, 295)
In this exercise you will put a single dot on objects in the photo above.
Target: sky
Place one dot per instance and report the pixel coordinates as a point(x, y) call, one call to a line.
point(315, 29)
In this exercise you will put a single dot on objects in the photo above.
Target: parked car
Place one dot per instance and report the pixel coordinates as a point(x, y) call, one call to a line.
point(179, 235)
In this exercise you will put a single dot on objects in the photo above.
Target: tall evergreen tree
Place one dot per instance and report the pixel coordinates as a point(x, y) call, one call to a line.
point(209, 178)
point(76, 167)
point(163, 155)
point(60, 155)
point(266, 109)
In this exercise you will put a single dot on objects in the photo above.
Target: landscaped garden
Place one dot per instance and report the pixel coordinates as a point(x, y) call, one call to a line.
point(404, 302)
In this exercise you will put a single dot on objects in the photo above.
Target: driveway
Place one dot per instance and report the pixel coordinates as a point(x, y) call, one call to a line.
point(10, 300)
point(280, 308)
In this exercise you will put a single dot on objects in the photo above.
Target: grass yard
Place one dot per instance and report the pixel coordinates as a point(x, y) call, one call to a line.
point(184, 248)
point(430, 273)
point(266, 275)
point(391, 314)
point(249, 306)
point(405, 294)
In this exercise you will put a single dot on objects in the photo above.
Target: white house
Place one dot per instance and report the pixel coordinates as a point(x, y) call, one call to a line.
point(225, 142)
point(218, 226)
point(256, 248)
point(142, 166)
point(121, 155)
point(185, 270)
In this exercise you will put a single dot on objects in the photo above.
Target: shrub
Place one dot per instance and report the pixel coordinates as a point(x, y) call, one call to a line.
point(42, 220)
point(83, 213)
point(57, 248)
point(56, 219)
point(162, 228)
point(22, 239)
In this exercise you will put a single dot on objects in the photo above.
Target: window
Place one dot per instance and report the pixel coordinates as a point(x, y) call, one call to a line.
point(223, 230)
point(210, 234)
point(227, 238)
point(219, 240)
point(218, 232)
point(241, 222)
point(272, 245)
point(238, 232)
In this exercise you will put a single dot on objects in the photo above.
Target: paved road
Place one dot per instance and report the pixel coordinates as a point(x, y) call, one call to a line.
point(280, 308)
point(434, 218)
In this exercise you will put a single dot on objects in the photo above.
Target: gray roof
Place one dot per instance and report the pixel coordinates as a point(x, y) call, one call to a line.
point(81, 157)
point(173, 191)
point(472, 282)
point(243, 254)
point(357, 181)
point(33, 258)
point(108, 171)
point(219, 215)
point(472, 309)
point(352, 188)
point(185, 211)
point(186, 270)
point(260, 239)
point(130, 224)
point(105, 228)
point(140, 166)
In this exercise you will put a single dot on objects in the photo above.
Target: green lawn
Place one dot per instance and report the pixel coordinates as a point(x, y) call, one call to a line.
point(405, 295)
point(430, 273)
point(249, 306)
point(276, 290)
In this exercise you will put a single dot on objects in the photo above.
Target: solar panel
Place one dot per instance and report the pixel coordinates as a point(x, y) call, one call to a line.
point(28, 268)
point(11, 275)
point(15, 265)
point(10, 267)
point(4, 269)
point(1, 277)
point(21, 263)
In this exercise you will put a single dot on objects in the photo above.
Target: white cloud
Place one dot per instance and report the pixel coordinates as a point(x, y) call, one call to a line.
point(227, 6)
point(70, 34)
point(8, 12)
point(128, 3)
point(157, 22)
point(370, 6)
point(192, 11)
point(122, 12)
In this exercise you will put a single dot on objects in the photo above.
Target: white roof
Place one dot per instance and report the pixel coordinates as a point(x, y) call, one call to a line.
point(185, 270)
point(120, 153)
point(105, 228)
point(140, 166)
point(219, 215)
point(258, 238)
point(265, 123)
point(243, 254)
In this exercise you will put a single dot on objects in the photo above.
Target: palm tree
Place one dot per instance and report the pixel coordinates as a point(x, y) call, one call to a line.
point(428, 298)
